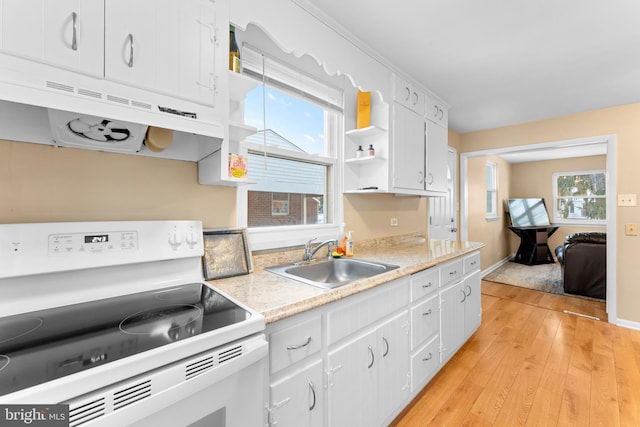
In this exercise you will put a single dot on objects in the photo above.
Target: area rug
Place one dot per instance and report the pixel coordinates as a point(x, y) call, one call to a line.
point(542, 277)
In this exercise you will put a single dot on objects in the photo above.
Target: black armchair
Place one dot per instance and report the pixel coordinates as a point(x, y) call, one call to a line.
point(583, 258)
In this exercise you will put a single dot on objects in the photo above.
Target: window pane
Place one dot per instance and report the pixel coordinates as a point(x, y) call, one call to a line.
point(582, 185)
point(582, 208)
point(291, 123)
point(288, 192)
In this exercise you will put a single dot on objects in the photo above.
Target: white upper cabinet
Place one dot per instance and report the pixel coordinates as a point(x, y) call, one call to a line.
point(437, 164)
point(162, 45)
point(408, 95)
point(408, 150)
point(64, 33)
point(165, 46)
point(437, 112)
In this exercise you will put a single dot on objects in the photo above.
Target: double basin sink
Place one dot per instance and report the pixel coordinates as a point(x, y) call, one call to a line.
point(331, 273)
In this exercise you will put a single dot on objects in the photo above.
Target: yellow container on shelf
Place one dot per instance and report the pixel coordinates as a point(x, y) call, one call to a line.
point(363, 115)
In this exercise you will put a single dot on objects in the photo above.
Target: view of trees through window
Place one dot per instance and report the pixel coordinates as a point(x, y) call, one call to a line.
point(580, 196)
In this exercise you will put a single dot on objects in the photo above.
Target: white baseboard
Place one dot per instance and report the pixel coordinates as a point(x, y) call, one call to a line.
point(628, 324)
point(495, 266)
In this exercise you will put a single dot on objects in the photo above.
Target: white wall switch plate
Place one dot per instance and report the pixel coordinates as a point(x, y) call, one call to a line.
point(626, 200)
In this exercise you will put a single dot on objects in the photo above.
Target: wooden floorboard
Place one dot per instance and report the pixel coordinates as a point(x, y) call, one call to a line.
point(532, 364)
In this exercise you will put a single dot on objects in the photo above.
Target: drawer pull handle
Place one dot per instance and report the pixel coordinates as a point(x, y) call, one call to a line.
point(429, 357)
point(373, 358)
point(452, 273)
point(313, 393)
point(299, 346)
point(428, 285)
point(386, 347)
point(426, 313)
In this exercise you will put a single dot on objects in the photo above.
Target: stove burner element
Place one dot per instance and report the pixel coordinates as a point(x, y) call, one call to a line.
point(166, 320)
point(17, 329)
point(4, 361)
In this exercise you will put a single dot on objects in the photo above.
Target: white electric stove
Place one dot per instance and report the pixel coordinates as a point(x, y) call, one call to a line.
point(115, 320)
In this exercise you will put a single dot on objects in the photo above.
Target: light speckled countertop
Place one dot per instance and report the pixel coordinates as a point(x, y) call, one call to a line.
point(277, 297)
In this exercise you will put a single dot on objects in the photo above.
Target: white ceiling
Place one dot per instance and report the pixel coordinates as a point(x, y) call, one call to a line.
point(502, 62)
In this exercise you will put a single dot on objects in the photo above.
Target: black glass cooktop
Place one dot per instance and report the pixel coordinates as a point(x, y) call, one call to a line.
point(41, 346)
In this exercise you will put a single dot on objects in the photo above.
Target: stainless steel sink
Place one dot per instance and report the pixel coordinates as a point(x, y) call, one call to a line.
point(329, 274)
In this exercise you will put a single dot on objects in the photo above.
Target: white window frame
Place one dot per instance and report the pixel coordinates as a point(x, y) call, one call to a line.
point(492, 215)
point(276, 237)
point(576, 221)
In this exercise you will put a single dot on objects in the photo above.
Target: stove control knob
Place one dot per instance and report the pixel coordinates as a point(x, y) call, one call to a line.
point(191, 239)
point(175, 240)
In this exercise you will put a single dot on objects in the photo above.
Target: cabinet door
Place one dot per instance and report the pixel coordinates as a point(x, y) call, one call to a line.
point(451, 319)
point(162, 45)
point(408, 149)
point(297, 400)
point(393, 356)
point(64, 33)
point(472, 304)
point(437, 164)
point(353, 382)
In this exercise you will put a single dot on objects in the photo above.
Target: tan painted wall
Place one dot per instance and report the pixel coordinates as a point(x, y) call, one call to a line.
point(535, 179)
point(368, 215)
point(39, 183)
point(621, 121)
point(490, 232)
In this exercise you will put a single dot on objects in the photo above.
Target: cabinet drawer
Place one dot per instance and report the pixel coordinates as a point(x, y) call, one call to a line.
point(294, 343)
point(425, 321)
point(424, 283)
point(362, 310)
point(424, 364)
point(450, 272)
point(471, 262)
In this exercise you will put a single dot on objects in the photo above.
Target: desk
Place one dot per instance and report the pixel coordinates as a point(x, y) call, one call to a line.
point(533, 247)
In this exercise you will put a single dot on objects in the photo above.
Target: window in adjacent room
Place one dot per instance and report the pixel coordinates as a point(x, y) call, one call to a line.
point(293, 155)
point(580, 197)
point(492, 190)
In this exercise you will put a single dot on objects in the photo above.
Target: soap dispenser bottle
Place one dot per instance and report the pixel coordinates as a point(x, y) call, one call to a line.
point(349, 245)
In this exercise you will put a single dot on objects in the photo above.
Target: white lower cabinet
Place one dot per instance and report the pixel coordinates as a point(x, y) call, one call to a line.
point(461, 310)
point(298, 398)
point(369, 375)
point(360, 360)
point(451, 319)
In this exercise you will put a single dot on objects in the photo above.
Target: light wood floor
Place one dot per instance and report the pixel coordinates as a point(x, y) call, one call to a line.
point(531, 364)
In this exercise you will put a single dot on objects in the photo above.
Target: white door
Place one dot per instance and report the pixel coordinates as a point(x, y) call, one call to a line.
point(452, 319)
point(297, 399)
point(442, 210)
